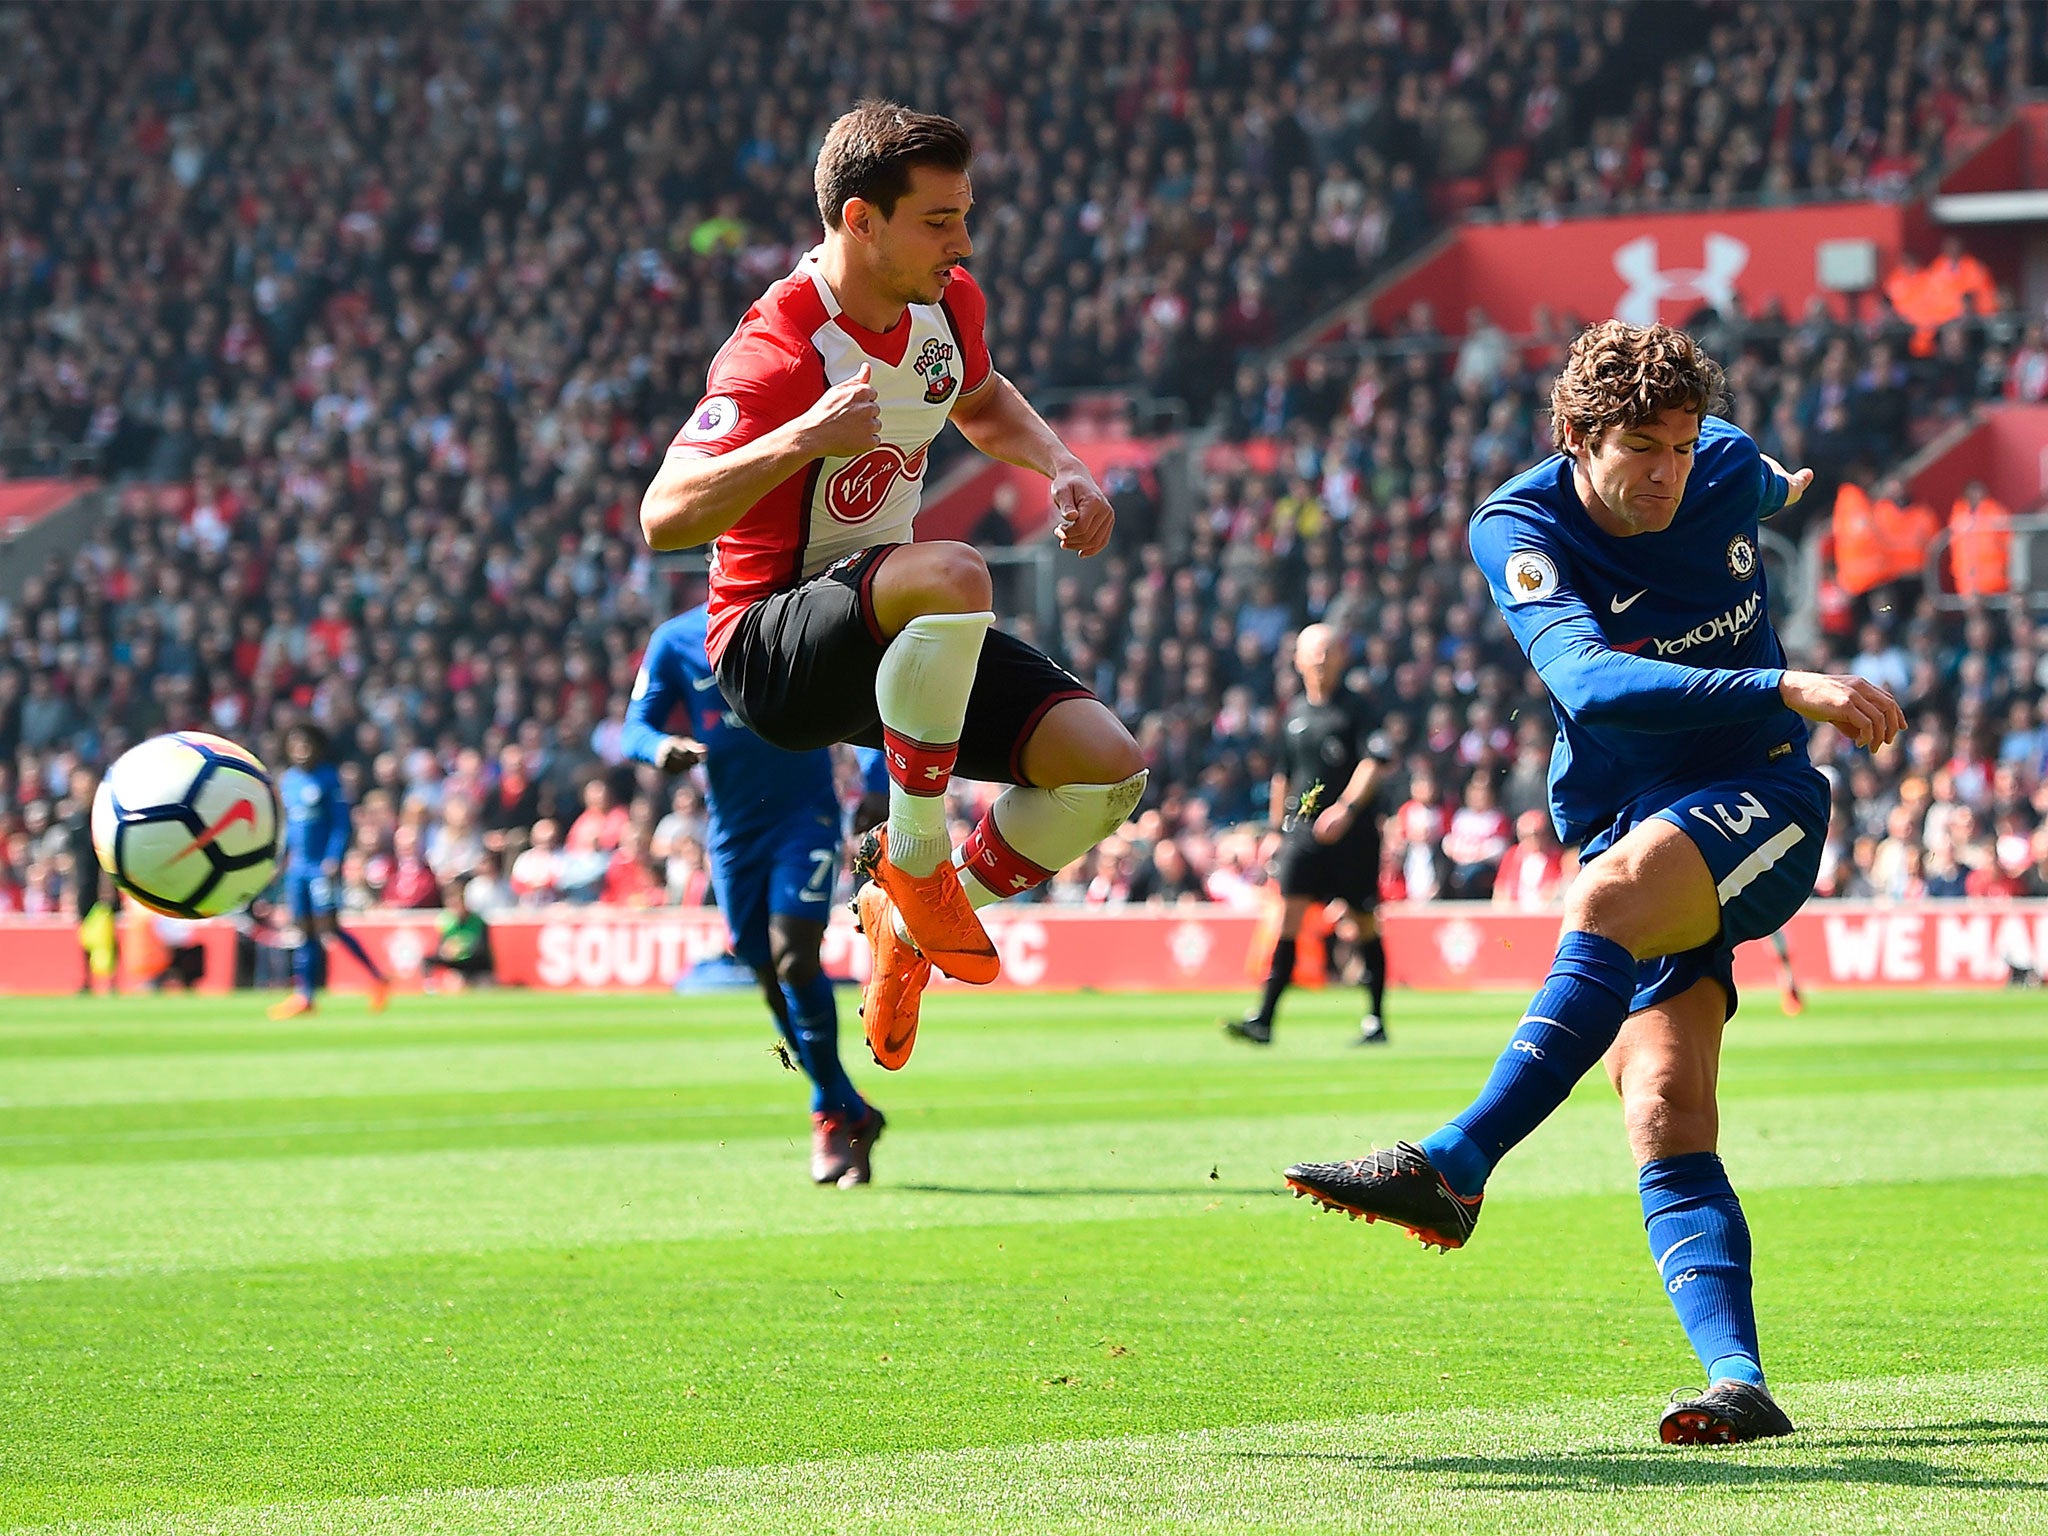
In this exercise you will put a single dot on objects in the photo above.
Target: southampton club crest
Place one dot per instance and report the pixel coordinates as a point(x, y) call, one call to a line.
point(935, 367)
point(1741, 557)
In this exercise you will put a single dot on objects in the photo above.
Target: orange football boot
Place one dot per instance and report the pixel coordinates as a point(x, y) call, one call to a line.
point(897, 976)
point(291, 1007)
point(380, 994)
point(935, 910)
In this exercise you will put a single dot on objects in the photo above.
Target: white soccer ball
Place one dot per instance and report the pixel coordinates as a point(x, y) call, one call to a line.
point(187, 824)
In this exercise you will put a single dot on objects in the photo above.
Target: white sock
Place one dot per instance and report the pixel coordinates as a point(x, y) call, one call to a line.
point(921, 692)
point(1029, 835)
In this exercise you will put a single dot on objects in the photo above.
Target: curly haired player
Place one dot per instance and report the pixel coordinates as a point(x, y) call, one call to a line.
point(1626, 567)
point(804, 462)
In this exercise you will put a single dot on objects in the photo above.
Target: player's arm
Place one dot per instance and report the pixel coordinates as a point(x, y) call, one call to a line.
point(1599, 685)
point(661, 687)
point(1782, 487)
point(340, 827)
point(999, 421)
point(1276, 801)
point(700, 491)
point(1333, 823)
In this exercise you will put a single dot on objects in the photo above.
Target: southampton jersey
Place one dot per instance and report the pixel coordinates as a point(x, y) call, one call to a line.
point(316, 825)
point(1657, 650)
point(790, 348)
point(753, 785)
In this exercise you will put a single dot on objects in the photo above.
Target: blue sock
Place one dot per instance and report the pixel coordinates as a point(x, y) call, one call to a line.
point(1567, 1027)
point(354, 946)
point(306, 966)
point(814, 1027)
point(1701, 1245)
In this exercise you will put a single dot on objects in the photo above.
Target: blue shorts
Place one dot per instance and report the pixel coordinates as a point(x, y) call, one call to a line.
point(1762, 836)
point(308, 894)
point(787, 868)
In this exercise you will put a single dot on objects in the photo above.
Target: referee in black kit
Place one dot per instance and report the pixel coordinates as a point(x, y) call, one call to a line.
point(1324, 803)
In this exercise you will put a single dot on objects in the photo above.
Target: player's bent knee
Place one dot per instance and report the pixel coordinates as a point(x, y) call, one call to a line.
point(940, 577)
point(1080, 742)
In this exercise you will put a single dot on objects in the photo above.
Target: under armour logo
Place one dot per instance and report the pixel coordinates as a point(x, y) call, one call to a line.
point(1650, 286)
point(935, 773)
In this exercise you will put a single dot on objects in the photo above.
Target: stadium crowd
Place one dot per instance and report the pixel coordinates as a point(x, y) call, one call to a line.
point(381, 319)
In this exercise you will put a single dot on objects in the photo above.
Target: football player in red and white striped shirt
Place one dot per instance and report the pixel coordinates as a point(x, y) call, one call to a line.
point(803, 464)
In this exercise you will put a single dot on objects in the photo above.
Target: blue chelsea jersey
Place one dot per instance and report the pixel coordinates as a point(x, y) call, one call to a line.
point(752, 784)
point(1657, 650)
point(316, 820)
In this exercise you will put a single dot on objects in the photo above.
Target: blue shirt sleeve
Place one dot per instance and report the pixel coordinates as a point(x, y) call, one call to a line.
point(874, 770)
point(338, 818)
point(663, 684)
point(1592, 681)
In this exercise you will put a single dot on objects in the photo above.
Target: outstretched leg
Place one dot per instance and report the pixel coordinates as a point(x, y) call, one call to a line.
point(1651, 894)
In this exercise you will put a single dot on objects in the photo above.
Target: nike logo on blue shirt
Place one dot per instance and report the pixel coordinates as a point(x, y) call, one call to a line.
point(1618, 606)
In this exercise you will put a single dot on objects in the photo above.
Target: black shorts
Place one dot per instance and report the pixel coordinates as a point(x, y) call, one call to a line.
point(800, 668)
point(1347, 870)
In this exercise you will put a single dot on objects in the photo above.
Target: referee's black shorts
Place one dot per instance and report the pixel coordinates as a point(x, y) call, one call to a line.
point(800, 668)
point(1347, 870)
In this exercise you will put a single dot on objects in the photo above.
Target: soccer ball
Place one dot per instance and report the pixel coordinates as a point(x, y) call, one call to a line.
point(187, 824)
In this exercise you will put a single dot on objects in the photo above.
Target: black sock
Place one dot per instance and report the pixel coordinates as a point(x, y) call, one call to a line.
point(1374, 954)
point(1277, 978)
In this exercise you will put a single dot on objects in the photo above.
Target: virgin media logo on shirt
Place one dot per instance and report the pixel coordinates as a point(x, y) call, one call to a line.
point(856, 492)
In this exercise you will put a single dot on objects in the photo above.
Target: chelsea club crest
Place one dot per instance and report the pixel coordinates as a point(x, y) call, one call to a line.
point(1741, 557)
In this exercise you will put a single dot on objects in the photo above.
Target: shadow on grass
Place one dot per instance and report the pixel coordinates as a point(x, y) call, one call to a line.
point(1848, 1456)
point(1083, 1192)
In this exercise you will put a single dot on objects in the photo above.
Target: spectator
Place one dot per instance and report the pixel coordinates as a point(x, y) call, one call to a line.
point(1476, 840)
point(1165, 878)
point(410, 882)
point(1534, 872)
point(536, 872)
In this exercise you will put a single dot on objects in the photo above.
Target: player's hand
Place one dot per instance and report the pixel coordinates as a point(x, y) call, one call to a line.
point(1331, 826)
point(846, 421)
point(678, 753)
point(1082, 516)
point(1862, 711)
point(1796, 480)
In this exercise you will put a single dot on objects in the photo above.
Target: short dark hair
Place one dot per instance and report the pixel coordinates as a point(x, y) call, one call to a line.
point(870, 152)
point(1622, 375)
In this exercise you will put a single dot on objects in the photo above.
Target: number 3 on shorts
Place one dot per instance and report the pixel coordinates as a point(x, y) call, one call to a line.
point(1748, 810)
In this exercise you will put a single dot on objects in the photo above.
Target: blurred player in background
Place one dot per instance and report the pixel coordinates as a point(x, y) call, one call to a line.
point(774, 848)
point(1324, 802)
point(92, 889)
point(1788, 984)
point(1626, 567)
point(316, 831)
point(805, 463)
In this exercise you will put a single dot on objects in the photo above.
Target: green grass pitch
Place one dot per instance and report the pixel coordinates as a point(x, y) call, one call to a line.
point(549, 1264)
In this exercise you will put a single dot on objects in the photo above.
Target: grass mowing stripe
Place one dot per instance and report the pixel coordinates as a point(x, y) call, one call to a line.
point(1942, 1452)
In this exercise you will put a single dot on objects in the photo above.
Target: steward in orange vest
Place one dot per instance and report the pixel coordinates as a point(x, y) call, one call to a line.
point(1980, 544)
point(1904, 530)
point(1860, 563)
